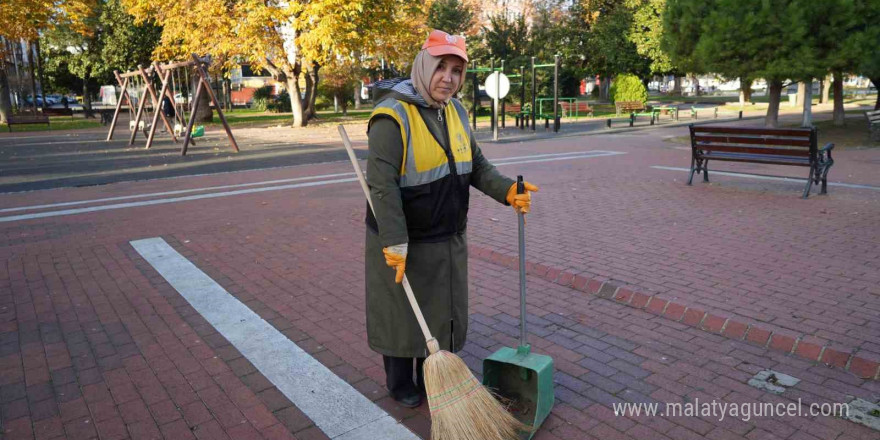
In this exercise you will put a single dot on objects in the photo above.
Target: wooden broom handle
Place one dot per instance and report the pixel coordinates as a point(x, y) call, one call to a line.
point(433, 345)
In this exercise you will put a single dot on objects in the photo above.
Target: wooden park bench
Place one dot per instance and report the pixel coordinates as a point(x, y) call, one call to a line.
point(578, 108)
point(873, 118)
point(629, 107)
point(517, 112)
point(58, 112)
point(778, 146)
point(25, 119)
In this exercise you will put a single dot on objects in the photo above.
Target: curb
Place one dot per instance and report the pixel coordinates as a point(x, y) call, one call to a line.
point(803, 346)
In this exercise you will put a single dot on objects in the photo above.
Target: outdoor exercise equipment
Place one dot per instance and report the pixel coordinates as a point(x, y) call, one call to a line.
point(518, 374)
point(475, 71)
point(534, 109)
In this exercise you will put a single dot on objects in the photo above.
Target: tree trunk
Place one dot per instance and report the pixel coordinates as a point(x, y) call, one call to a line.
point(774, 91)
point(802, 89)
point(676, 86)
point(205, 113)
point(604, 87)
point(312, 91)
point(344, 104)
point(87, 99)
point(40, 76)
point(876, 82)
point(32, 70)
point(335, 103)
point(296, 102)
point(839, 116)
point(826, 89)
point(808, 104)
point(745, 91)
point(5, 103)
point(696, 85)
point(357, 96)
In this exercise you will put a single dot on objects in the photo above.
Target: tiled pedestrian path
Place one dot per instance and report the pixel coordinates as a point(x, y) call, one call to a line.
point(94, 343)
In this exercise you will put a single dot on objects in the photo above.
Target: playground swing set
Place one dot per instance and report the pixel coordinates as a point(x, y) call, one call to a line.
point(534, 109)
point(139, 85)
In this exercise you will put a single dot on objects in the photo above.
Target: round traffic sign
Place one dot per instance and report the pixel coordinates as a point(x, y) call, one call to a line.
point(493, 85)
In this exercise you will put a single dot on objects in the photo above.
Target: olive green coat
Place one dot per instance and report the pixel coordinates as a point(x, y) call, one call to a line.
point(437, 271)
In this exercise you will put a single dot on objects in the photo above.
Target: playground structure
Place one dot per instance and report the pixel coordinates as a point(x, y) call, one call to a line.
point(534, 110)
point(169, 77)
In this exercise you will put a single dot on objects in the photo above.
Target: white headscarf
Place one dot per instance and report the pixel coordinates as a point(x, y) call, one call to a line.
point(423, 70)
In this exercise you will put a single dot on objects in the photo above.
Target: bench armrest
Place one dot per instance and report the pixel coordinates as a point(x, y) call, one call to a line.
point(828, 147)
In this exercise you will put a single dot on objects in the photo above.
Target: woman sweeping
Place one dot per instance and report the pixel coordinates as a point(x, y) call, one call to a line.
point(422, 161)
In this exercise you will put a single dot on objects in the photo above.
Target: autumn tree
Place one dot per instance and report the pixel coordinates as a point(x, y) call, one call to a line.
point(24, 20)
point(291, 40)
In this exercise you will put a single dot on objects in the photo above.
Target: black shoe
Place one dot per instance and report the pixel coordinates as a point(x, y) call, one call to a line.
point(409, 399)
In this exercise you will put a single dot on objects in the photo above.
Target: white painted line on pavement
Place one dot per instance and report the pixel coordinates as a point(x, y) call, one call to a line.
point(760, 177)
point(583, 156)
point(12, 218)
point(339, 410)
point(169, 193)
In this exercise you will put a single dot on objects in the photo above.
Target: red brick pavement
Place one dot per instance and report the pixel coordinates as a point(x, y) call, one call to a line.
point(93, 342)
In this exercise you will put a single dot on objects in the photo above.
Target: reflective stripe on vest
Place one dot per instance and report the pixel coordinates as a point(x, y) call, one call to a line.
point(424, 160)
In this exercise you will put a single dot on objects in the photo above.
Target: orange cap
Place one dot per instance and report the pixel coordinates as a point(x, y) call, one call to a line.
point(440, 43)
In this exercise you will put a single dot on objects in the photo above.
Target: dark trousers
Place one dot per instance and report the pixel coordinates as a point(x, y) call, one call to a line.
point(399, 375)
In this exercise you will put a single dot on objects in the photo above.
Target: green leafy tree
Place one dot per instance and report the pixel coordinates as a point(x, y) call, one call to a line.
point(647, 33)
point(608, 49)
point(126, 44)
point(682, 28)
point(451, 16)
point(85, 57)
point(763, 40)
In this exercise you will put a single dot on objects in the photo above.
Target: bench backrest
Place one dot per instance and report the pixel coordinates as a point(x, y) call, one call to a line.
point(873, 116)
point(27, 119)
point(798, 142)
point(580, 105)
point(629, 105)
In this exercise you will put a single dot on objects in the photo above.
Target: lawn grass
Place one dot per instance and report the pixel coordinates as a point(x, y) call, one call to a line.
point(257, 118)
point(854, 134)
point(56, 123)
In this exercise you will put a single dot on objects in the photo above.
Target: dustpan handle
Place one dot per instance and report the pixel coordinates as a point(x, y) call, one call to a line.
point(523, 334)
point(433, 346)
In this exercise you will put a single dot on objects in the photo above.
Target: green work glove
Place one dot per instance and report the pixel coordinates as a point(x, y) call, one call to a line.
point(521, 202)
point(395, 256)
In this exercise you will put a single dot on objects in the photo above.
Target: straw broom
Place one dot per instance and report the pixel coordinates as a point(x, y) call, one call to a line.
point(461, 407)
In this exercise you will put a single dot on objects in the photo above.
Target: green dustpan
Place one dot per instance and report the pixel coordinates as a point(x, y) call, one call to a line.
point(523, 377)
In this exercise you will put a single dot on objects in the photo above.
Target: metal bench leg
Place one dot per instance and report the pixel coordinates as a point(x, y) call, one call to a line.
point(824, 189)
point(809, 183)
point(705, 170)
point(693, 168)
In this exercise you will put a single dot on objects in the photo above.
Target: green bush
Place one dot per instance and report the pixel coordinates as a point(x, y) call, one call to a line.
point(262, 97)
point(628, 87)
point(280, 103)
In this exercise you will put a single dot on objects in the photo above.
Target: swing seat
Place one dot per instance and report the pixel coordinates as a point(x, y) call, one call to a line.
point(198, 131)
point(178, 129)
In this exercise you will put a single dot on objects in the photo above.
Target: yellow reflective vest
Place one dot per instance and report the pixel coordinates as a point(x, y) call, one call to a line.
point(435, 173)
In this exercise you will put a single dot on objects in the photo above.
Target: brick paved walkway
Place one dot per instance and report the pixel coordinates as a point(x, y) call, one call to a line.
point(95, 344)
